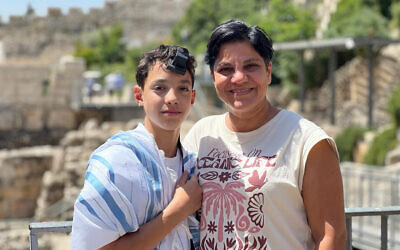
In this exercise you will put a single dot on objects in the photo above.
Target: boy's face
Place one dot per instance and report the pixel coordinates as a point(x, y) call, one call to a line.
point(166, 97)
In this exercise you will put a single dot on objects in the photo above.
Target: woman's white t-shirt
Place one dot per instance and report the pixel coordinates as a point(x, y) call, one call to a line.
point(252, 182)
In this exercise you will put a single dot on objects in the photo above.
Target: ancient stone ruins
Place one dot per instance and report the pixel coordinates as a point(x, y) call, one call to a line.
point(45, 142)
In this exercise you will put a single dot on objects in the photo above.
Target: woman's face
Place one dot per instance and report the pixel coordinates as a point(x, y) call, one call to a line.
point(241, 77)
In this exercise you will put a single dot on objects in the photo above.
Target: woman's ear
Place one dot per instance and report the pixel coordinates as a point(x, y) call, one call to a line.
point(269, 73)
point(212, 75)
point(138, 94)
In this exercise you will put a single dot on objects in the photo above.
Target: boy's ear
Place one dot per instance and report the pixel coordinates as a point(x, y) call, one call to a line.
point(138, 94)
point(193, 97)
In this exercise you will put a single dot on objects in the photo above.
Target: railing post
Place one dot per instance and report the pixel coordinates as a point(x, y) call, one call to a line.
point(34, 245)
point(384, 234)
point(349, 233)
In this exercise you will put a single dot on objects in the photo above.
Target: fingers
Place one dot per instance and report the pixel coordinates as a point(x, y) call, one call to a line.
point(183, 179)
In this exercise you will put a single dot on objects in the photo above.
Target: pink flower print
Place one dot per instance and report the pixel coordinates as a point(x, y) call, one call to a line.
point(224, 176)
point(248, 245)
point(212, 228)
point(222, 200)
point(239, 175)
point(262, 240)
point(230, 243)
point(255, 209)
point(256, 181)
point(211, 244)
point(242, 220)
point(210, 175)
point(229, 227)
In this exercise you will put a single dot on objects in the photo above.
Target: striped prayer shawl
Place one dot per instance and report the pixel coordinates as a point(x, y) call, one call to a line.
point(127, 185)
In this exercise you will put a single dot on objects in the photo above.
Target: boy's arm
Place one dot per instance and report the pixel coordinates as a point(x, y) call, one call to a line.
point(186, 200)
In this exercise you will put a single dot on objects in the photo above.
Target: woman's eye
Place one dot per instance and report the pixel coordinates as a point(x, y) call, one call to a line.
point(225, 70)
point(251, 66)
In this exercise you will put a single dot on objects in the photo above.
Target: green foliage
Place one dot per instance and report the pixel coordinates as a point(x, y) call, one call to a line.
point(202, 16)
point(86, 52)
point(380, 146)
point(395, 13)
point(393, 106)
point(287, 21)
point(106, 47)
point(105, 51)
point(109, 46)
point(357, 18)
point(347, 140)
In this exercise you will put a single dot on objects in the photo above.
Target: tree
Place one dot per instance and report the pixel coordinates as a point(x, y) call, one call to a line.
point(202, 16)
point(354, 18)
point(287, 21)
point(106, 47)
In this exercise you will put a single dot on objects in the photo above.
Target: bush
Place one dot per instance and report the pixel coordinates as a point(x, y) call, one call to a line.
point(347, 140)
point(394, 106)
point(380, 146)
point(355, 18)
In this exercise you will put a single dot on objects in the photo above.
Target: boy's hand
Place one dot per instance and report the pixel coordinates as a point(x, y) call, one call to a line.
point(187, 197)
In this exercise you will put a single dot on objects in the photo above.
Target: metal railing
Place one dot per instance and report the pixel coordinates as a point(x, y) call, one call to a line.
point(45, 227)
point(384, 212)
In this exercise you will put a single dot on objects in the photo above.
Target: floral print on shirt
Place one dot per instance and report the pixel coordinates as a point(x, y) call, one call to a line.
point(232, 209)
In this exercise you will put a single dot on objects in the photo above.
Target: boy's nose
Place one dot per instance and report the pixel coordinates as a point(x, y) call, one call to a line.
point(170, 97)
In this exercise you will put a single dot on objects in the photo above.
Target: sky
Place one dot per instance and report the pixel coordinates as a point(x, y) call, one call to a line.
point(18, 7)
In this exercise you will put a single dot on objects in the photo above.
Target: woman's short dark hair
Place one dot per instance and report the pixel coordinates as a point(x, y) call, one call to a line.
point(161, 54)
point(236, 31)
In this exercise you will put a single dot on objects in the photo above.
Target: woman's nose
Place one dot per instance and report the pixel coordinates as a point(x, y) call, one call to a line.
point(239, 76)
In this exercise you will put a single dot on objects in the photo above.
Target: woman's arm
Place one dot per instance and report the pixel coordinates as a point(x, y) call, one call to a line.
point(323, 197)
point(186, 200)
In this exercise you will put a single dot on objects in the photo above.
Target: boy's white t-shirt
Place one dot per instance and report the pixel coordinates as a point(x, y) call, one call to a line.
point(174, 166)
point(252, 182)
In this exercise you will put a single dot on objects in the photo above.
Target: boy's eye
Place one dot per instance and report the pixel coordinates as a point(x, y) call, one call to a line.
point(184, 88)
point(158, 88)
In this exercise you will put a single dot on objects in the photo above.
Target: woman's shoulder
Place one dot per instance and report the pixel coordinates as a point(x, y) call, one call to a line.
point(210, 120)
point(297, 120)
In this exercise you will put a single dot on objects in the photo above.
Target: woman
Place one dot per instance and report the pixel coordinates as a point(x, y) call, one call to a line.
point(270, 178)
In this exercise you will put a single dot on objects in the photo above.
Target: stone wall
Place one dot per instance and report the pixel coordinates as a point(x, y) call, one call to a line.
point(21, 173)
point(34, 98)
point(351, 86)
point(141, 19)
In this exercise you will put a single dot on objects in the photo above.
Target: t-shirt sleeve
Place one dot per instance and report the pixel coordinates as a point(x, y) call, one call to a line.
point(102, 212)
point(313, 135)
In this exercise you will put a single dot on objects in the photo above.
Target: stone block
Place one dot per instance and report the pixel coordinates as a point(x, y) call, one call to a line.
point(33, 118)
point(7, 119)
point(393, 156)
point(61, 119)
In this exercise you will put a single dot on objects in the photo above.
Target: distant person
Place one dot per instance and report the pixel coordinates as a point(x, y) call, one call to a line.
point(270, 178)
point(90, 87)
point(114, 84)
point(136, 194)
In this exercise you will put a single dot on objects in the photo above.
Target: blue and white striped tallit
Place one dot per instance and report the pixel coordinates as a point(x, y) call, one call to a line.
point(127, 185)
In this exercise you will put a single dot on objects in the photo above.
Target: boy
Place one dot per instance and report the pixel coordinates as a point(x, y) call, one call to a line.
point(135, 194)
